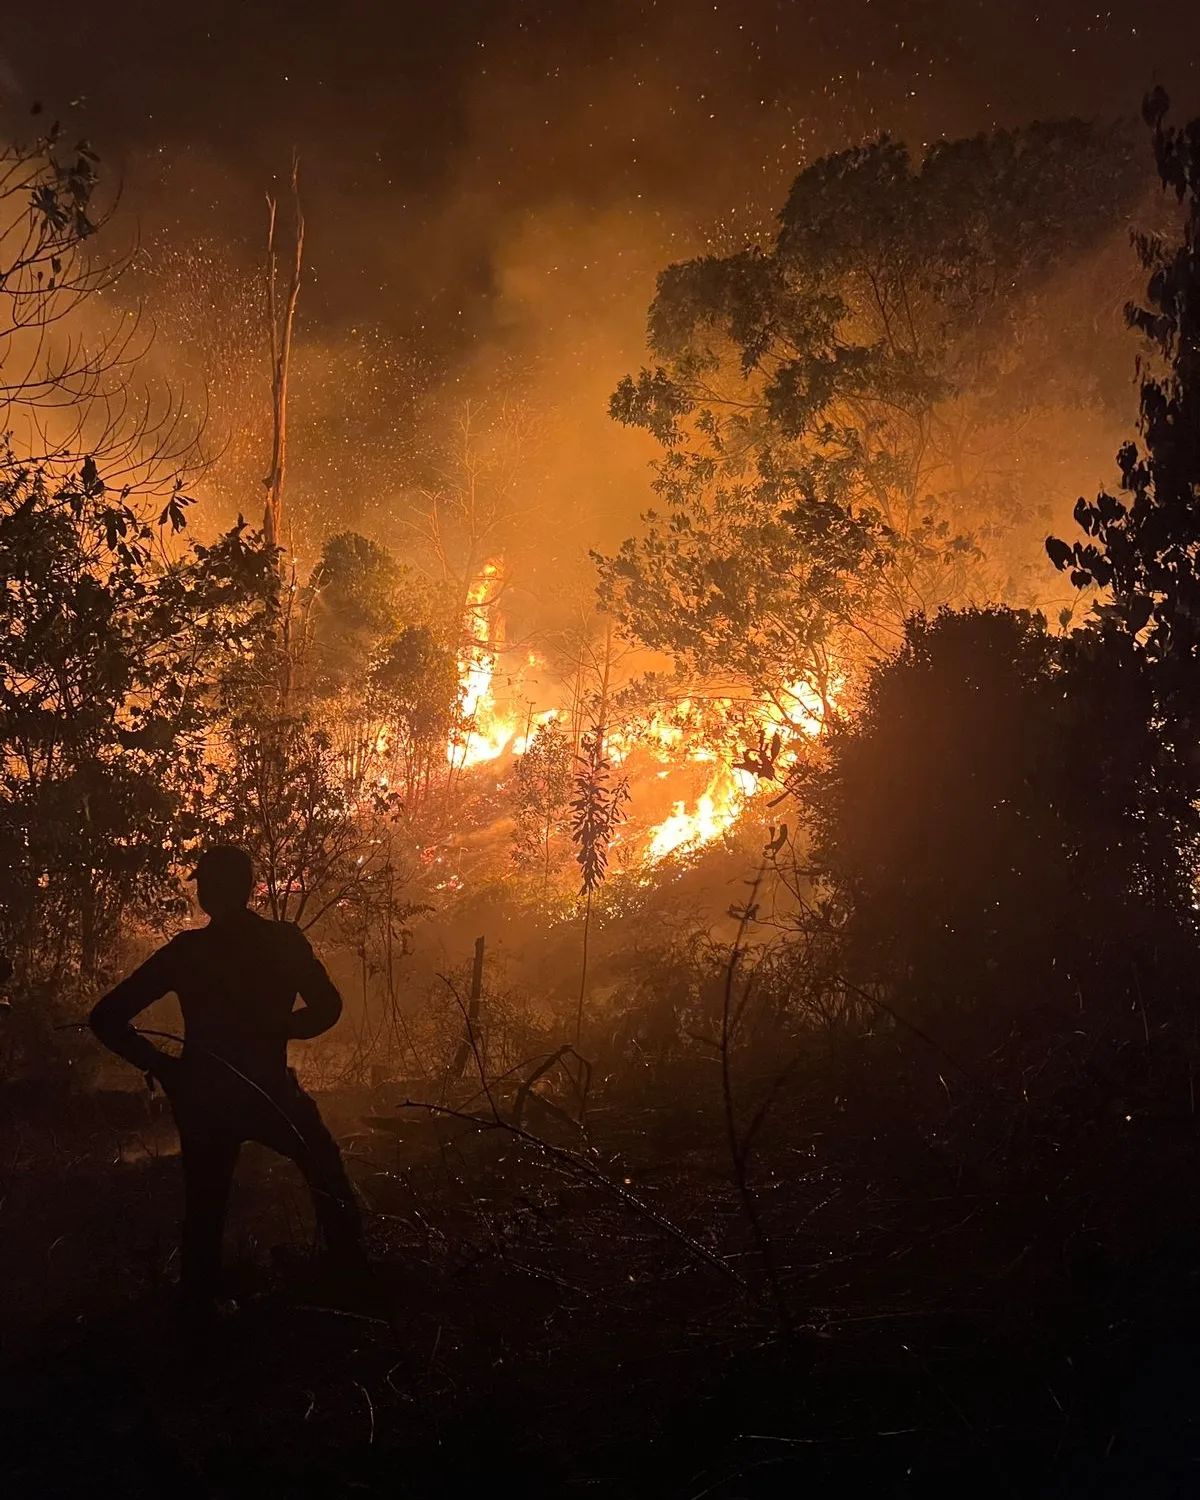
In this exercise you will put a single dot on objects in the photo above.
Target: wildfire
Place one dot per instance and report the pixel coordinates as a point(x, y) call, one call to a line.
point(717, 808)
point(486, 732)
point(492, 725)
point(729, 788)
point(523, 741)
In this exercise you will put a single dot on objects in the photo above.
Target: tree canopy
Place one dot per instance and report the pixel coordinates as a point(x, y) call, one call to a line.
point(854, 404)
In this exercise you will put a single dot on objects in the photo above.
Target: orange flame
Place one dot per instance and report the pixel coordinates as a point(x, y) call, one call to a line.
point(723, 800)
point(490, 728)
point(487, 732)
point(717, 808)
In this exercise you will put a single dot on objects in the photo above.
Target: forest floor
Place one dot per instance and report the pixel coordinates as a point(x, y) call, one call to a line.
point(542, 1332)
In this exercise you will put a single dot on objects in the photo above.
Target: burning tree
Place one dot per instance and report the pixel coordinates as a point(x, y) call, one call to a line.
point(754, 592)
point(414, 692)
point(372, 663)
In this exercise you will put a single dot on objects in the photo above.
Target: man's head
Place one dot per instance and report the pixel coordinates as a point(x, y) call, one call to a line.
point(224, 877)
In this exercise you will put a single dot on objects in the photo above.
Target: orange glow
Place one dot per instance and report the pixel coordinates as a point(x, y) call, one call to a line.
point(729, 788)
point(522, 741)
point(717, 808)
point(487, 732)
point(494, 724)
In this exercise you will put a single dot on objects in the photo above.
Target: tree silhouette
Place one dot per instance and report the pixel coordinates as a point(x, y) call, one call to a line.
point(541, 793)
point(1143, 545)
point(1000, 824)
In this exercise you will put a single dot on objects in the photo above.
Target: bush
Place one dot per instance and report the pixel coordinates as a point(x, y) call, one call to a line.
point(999, 825)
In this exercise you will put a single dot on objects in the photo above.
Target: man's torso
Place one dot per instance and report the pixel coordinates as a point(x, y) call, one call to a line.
point(236, 984)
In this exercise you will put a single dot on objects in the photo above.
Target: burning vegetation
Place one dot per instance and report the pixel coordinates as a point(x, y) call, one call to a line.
point(800, 876)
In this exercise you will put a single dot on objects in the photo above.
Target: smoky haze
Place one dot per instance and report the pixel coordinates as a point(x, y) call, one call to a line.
point(490, 191)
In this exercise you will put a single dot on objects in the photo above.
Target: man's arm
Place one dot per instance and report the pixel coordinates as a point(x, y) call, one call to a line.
point(111, 1016)
point(322, 1003)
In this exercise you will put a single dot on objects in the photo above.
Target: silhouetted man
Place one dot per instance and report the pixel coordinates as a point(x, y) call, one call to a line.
point(237, 980)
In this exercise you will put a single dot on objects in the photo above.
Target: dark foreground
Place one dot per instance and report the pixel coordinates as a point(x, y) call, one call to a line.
point(534, 1332)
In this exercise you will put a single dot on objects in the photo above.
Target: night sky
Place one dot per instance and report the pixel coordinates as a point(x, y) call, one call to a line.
point(425, 130)
point(488, 181)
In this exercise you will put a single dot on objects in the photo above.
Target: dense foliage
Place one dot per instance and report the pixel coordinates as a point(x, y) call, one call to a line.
point(1142, 545)
point(906, 1122)
point(859, 420)
point(541, 795)
point(155, 694)
point(1000, 824)
point(113, 641)
point(108, 661)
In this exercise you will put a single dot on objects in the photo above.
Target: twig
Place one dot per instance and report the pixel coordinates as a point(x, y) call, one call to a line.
point(474, 1045)
point(370, 1411)
point(341, 1312)
point(544, 1067)
point(910, 1025)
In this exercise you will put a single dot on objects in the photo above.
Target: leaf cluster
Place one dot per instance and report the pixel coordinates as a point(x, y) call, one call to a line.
point(1142, 545)
point(597, 810)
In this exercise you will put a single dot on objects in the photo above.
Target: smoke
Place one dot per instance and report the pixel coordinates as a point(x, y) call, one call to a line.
point(488, 204)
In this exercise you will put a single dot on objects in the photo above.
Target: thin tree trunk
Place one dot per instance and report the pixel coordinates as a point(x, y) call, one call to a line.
point(583, 968)
point(281, 328)
point(471, 1041)
point(601, 735)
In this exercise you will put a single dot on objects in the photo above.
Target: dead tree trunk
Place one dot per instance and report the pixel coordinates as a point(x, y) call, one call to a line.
point(471, 1042)
point(282, 320)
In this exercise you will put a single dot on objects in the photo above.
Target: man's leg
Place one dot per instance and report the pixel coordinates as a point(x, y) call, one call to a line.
point(295, 1129)
point(208, 1163)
